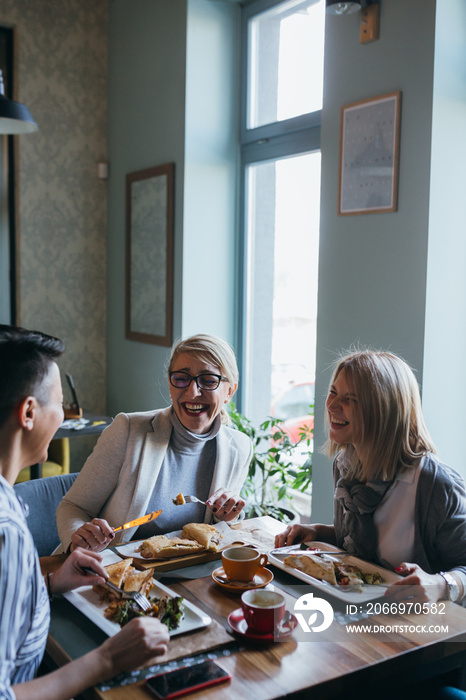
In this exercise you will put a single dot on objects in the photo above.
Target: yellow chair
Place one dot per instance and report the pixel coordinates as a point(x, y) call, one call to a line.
point(58, 461)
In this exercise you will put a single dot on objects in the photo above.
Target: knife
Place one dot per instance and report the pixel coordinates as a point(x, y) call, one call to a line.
point(292, 549)
point(322, 552)
point(138, 521)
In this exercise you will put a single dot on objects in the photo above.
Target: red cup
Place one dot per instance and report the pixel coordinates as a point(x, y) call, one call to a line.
point(263, 610)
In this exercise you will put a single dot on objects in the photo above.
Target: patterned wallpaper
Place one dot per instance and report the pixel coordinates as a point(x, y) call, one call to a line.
point(62, 78)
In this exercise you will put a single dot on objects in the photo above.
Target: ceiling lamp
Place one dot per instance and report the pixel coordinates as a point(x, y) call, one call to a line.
point(370, 16)
point(15, 118)
point(340, 7)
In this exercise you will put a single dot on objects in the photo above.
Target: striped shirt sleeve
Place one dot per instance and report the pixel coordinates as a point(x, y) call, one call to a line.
point(24, 604)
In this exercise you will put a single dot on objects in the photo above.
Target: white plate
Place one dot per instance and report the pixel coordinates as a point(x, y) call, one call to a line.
point(347, 593)
point(129, 549)
point(89, 603)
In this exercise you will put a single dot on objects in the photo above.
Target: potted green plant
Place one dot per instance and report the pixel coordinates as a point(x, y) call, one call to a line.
point(273, 471)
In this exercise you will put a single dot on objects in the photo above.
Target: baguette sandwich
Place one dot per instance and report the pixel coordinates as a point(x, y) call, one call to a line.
point(313, 565)
point(126, 577)
point(139, 581)
point(195, 538)
point(325, 569)
point(203, 533)
point(348, 575)
point(117, 572)
point(163, 547)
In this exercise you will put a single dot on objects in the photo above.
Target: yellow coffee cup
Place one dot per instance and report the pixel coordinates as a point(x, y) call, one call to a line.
point(242, 563)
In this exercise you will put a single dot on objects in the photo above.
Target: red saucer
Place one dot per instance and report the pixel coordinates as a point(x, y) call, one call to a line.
point(238, 624)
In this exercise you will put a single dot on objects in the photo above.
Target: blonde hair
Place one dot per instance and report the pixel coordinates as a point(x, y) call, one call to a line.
point(393, 432)
point(213, 351)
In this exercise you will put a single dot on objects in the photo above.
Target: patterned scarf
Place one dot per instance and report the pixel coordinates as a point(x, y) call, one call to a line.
point(358, 502)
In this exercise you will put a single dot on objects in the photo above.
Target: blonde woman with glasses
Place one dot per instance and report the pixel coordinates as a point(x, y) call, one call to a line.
point(143, 460)
point(395, 503)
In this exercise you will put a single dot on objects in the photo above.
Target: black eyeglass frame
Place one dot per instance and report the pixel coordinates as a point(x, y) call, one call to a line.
point(191, 378)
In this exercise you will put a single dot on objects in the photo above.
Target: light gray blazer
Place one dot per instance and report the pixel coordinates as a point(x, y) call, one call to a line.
point(118, 478)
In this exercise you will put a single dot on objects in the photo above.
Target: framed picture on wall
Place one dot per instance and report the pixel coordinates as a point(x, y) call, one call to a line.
point(369, 154)
point(149, 255)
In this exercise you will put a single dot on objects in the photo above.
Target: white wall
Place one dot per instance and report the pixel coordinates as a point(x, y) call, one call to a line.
point(173, 82)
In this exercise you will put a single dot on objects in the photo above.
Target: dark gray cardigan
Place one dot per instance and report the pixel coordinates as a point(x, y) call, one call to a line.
point(439, 518)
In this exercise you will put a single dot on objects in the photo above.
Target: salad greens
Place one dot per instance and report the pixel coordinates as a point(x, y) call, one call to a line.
point(167, 610)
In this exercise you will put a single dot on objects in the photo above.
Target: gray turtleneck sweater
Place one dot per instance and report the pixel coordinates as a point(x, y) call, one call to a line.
point(187, 468)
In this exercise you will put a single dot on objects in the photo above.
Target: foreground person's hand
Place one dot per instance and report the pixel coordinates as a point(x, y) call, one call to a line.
point(417, 586)
point(94, 535)
point(71, 574)
point(225, 505)
point(137, 643)
point(295, 534)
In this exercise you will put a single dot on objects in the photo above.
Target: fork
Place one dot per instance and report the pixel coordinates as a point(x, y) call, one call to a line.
point(193, 499)
point(138, 598)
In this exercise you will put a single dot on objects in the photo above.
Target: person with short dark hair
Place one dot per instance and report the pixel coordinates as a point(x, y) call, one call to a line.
point(396, 504)
point(26, 357)
point(31, 410)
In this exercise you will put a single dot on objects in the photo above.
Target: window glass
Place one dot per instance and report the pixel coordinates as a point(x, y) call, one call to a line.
point(294, 401)
point(283, 199)
point(285, 66)
point(283, 50)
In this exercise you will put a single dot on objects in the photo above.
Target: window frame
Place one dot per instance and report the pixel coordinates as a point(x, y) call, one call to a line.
point(289, 137)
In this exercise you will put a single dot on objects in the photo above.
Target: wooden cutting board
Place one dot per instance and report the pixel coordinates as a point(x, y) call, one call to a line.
point(256, 532)
point(176, 562)
point(180, 562)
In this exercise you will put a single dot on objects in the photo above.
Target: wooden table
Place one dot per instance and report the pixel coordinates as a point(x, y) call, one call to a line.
point(334, 663)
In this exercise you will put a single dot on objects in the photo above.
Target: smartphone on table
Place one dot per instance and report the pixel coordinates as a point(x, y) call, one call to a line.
point(188, 679)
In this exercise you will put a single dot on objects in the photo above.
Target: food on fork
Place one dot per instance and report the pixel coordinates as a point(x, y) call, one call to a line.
point(325, 569)
point(207, 535)
point(179, 500)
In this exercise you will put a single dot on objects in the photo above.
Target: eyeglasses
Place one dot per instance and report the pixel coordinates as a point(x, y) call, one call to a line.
point(205, 382)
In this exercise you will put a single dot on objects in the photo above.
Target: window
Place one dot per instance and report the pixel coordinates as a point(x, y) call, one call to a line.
point(283, 43)
point(282, 99)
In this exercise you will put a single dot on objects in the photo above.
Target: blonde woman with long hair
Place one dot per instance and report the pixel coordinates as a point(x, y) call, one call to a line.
point(395, 503)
